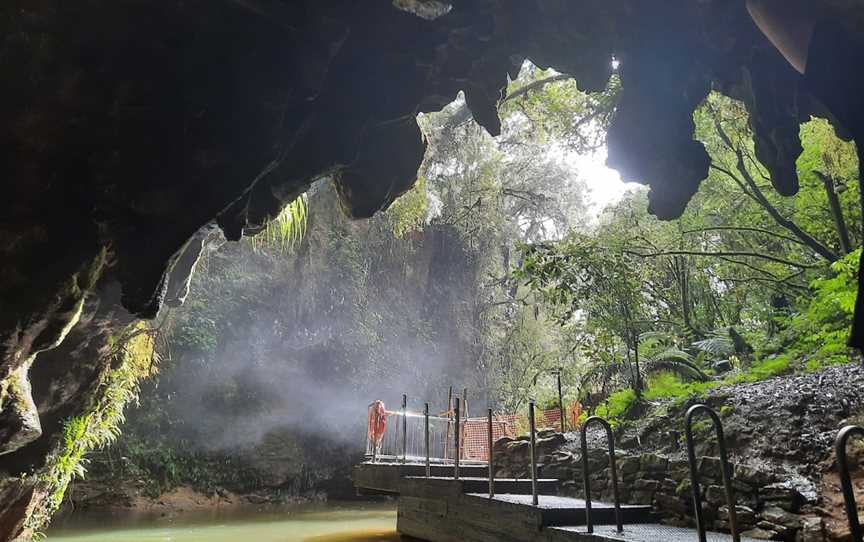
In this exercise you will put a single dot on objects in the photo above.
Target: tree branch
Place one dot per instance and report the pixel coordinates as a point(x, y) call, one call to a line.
point(808, 239)
point(741, 228)
point(725, 254)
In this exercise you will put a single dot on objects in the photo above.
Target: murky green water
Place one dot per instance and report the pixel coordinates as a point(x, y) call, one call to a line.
point(323, 523)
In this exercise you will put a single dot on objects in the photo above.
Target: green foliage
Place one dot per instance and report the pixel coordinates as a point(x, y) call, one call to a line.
point(558, 111)
point(666, 385)
point(617, 406)
point(410, 211)
point(818, 333)
point(286, 230)
point(163, 463)
point(744, 276)
point(132, 360)
point(717, 346)
point(765, 369)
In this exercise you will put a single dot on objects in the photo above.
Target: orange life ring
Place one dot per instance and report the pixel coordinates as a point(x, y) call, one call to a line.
point(377, 422)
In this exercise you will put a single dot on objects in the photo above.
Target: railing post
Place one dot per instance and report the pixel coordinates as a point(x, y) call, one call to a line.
point(404, 427)
point(561, 401)
point(491, 457)
point(610, 438)
point(724, 466)
point(449, 412)
point(426, 438)
point(456, 453)
point(533, 434)
point(846, 479)
point(371, 436)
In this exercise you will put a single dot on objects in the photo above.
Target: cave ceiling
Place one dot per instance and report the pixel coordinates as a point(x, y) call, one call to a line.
point(130, 125)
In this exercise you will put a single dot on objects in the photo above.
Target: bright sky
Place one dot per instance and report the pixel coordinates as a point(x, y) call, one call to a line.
point(605, 184)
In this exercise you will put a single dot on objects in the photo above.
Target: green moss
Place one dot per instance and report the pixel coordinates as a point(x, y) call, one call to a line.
point(763, 370)
point(408, 213)
point(617, 406)
point(667, 385)
point(132, 353)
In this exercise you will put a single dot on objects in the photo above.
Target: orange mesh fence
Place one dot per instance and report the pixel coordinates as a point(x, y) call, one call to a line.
point(385, 437)
point(475, 434)
point(551, 418)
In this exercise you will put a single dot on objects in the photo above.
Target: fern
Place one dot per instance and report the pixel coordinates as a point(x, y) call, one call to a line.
point(716, 346)
point(285, 231)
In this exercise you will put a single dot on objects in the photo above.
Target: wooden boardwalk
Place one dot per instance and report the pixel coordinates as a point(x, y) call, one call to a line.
point(441, 509)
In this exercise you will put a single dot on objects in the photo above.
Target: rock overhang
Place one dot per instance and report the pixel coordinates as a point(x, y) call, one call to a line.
point(140, 123)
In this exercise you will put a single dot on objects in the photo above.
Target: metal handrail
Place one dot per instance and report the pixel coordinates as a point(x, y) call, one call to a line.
point(426, 439)
point(491, 458)
point(846, 479)
point(393, 445)
point(404, 428)
point(614, 472)
point(724, 466)
point(458, 452)
point(535, 499)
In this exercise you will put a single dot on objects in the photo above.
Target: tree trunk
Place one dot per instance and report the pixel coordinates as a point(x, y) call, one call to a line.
point(836, 212)
point(637, 380)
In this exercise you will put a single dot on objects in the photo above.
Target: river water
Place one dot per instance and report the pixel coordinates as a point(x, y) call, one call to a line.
point(337, 522)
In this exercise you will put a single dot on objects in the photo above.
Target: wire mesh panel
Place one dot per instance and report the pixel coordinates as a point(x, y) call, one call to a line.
point(551, 418)
point(413, 444)
point(473, 438)
point(475, 435)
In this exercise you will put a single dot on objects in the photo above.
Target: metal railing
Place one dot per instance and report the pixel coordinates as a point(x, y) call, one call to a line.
point(724, 467)
point(846, 479)
point(426, 439)
point(491, 455)
point(613, 471)
point(533, 453)
point(456, 433)
point(407, 436)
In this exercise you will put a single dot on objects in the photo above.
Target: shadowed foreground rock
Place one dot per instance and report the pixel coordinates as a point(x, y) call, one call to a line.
point(128, 126)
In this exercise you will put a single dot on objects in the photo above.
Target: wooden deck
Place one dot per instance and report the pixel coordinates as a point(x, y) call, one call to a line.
point(441, 509)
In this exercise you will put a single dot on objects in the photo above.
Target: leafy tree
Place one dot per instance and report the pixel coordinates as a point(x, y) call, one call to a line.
point(733, 279)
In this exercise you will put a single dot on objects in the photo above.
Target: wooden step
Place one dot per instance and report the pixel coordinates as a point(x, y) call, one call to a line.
point(520, 486)
point(557, 511)
point(384, 477)
point(636, 533)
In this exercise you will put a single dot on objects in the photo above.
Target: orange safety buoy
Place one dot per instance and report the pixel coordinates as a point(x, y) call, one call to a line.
point(377, 423)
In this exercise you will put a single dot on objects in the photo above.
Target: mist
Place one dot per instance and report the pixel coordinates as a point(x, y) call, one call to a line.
point(275, 356)
point(300, 343)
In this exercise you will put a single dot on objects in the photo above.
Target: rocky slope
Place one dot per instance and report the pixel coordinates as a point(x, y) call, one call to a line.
point(780, 433)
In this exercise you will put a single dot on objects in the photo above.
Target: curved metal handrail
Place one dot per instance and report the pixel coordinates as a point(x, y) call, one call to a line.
point(846, 480)
point(614, 472)
point(694, 472)
point(532, 453)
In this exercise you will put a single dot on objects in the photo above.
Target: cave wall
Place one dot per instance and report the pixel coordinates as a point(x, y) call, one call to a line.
point(129, 125)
